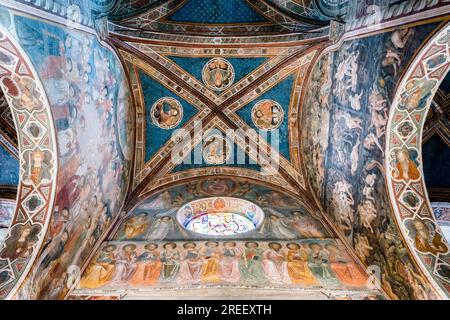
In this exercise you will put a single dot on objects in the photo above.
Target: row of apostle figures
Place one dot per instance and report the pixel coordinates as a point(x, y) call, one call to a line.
point(313, 264)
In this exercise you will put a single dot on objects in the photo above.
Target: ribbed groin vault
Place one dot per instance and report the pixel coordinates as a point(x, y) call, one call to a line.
point(224, 149)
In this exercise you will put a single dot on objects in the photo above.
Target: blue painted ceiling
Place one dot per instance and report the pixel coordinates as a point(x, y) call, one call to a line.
point(153, 90)
point(280, 93)
point(155, 136)
point(216, 12)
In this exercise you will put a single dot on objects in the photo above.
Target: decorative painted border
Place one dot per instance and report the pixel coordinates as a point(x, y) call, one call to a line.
point(156, 19)
point(298, 38)
point(15, 77)
point(405, 128)
point(288, 61)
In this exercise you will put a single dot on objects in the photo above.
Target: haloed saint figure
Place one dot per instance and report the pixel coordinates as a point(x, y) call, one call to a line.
point(267, 115)
point(218, 74)
point(216, 149)
point(167, 113)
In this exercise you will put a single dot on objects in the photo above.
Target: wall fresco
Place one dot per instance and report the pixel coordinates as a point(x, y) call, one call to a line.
point(90, 103)
point(347, 145)
point(298, 264)
point(29, 107)
point(156, 218)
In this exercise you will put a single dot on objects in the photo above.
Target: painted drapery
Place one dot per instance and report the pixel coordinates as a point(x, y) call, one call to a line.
point(90, 103)
point(350, 92)
point(297, 264)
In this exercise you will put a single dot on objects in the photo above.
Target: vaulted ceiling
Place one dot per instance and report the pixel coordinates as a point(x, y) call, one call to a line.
point(312, 11)
point(216, 69)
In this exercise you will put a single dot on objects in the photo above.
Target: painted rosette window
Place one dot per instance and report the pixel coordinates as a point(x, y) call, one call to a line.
point(220, 216)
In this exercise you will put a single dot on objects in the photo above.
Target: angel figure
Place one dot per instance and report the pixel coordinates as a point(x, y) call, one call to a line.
point(162, 227)
point(367, 213)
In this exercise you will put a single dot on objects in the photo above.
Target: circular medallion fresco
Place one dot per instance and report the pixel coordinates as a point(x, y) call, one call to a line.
point(216, 149)
point(218, 74)
point(220, 216)
point(167, 113)
point(267, 115)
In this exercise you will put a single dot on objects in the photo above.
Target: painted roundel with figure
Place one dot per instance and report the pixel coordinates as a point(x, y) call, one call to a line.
point(267, 115)
point(167, 113)
point(218, 74)
point(216, 149)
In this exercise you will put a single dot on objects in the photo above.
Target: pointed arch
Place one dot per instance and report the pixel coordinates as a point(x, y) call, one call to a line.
point(404, 167)
point(37, 144)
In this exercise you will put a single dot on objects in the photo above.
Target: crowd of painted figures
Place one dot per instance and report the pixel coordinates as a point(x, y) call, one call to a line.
point(277, 225)
point(320, 263)
point(88, 97)
point(349, 96)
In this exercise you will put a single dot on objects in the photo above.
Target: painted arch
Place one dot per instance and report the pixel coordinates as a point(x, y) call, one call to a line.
point(37, 187)
point(404, 172)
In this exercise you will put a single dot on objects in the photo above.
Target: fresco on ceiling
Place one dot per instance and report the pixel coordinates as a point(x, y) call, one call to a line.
point(267, 115)
point(89, 99)
point(9, 168)
point(156, 218)
point(241, 67)
point(332, 8)
point(216, 12)
point(79, 11)
point(218, 74)
point(280, 94)
point(242, 96)
point(158, 132)
point(166, 113)
point(218, 150)
point(120, 9)
point(302, 8)
point(298, 264)
point(345, 116)
point(441, 212)
point(316, 121)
